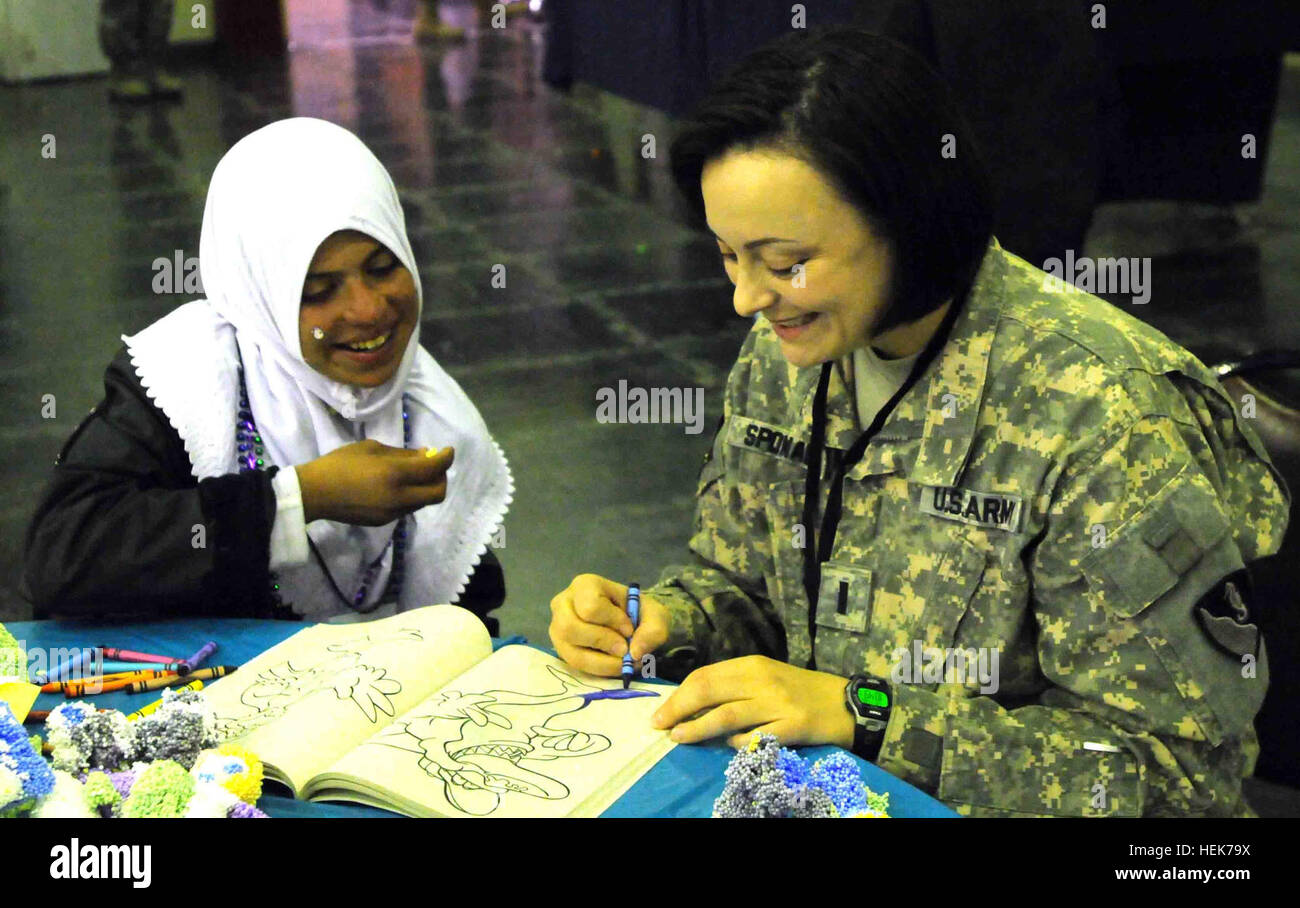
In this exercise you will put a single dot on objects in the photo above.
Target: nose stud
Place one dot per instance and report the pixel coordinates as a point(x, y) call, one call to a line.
point(317, 333)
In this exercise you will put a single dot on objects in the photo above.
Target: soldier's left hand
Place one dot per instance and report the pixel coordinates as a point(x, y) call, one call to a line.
point(754, 693)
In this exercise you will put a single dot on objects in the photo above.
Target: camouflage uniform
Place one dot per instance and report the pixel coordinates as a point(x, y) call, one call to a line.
point(1075, 420)
point(133, 33)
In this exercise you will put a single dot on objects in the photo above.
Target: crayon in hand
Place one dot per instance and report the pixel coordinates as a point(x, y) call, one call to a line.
point(633, 612)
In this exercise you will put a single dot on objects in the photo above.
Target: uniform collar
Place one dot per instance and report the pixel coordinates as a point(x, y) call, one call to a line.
point(941, 408)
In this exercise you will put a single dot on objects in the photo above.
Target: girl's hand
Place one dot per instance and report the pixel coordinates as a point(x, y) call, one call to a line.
point(754, 693)
point(370, 484)
point(590, 626)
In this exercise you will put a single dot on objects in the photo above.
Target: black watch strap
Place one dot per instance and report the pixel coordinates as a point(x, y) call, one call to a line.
point(866, 743)
point(869, 700)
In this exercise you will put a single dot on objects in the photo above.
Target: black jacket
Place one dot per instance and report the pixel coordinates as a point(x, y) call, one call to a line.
point(123, 528)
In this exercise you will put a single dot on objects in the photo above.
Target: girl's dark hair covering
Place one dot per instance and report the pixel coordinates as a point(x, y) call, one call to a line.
point(872, 117)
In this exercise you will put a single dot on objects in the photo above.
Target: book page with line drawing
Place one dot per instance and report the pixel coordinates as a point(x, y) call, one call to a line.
point(521, 734)
point(308, 700)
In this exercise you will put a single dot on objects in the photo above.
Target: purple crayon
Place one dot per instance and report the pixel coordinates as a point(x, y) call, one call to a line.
point(193, 662)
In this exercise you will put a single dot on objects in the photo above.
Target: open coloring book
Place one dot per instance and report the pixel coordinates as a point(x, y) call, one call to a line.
point(416, 714)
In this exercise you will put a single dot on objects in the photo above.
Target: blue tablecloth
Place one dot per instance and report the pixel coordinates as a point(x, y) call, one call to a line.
point(683, 784)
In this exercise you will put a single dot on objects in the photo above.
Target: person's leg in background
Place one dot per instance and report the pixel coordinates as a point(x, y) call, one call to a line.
point(512, 7)
point(119, 37)
point(429, 27)
point(133, 35)
point(157, 28)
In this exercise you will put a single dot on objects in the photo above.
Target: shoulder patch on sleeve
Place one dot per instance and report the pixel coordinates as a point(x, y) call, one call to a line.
point(1143, 560)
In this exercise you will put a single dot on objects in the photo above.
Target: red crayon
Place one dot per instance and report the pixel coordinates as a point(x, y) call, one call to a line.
point(127, 655)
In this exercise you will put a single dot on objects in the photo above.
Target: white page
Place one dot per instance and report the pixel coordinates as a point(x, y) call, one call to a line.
point(510, 737)
point(305, 702)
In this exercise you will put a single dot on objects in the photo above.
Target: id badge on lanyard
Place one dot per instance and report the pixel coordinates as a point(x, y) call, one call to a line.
point(822, 542)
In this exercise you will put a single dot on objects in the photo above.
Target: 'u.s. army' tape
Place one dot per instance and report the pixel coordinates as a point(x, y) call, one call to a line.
point(982, 509)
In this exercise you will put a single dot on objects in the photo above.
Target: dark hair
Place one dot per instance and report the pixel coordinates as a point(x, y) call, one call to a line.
point(870, 116)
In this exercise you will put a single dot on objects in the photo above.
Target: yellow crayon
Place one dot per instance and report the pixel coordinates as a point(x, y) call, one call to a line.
point(202, 674)
point(431, 452)
point(153, 707)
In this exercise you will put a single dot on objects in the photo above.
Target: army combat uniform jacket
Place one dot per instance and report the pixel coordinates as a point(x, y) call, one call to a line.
point(1064, 490)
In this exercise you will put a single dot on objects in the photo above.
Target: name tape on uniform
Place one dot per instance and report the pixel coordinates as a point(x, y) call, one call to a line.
point(981, 509)
point(765, 439)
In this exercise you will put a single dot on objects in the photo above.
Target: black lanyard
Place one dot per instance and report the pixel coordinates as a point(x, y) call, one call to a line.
point(817, 548)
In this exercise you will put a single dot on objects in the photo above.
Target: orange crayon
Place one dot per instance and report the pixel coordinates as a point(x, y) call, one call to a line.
point(107, 683)
point(93, 686)
point(202, 674)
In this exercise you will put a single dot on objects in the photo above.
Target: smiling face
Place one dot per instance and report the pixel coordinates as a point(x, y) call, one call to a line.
point(770, 212)
point(356, 292)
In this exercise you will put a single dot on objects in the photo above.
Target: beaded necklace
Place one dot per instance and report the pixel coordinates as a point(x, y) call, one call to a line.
point(252, 457)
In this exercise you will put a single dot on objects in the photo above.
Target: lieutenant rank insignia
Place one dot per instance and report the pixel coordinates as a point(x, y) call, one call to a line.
point(981, 509)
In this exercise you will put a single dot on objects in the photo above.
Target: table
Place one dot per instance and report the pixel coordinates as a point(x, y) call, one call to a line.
point(683, 784)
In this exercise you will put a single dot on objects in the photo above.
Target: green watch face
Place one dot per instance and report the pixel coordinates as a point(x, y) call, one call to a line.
point(877, 698)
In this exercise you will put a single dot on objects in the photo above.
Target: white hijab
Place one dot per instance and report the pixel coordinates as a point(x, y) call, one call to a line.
point(274, 197)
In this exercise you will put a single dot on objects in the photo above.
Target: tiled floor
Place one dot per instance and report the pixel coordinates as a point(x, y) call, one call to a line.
point(604, 280)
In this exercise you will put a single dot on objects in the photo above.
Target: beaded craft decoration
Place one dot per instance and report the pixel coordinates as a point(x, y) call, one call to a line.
point(106, 766)
point(25, 777)
point(768, 780)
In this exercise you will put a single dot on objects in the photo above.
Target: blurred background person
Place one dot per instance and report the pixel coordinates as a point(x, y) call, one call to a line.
point(133, 35)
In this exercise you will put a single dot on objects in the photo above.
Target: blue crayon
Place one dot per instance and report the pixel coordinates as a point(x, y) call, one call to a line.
point(113, 665)
point(633, 612)
point(65, 669)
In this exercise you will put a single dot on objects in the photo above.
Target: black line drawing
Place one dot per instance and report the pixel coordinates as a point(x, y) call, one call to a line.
point(484, 745)
point(343, 671)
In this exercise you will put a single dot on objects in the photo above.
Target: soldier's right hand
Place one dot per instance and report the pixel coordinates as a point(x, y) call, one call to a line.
point(590, 626)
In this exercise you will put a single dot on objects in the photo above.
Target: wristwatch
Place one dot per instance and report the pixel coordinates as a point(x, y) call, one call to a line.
point(869, 700)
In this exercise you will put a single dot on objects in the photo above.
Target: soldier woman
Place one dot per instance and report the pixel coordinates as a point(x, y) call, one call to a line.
point(983, 466)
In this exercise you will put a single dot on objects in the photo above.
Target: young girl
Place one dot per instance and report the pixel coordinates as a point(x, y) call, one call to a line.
point(284, 447)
